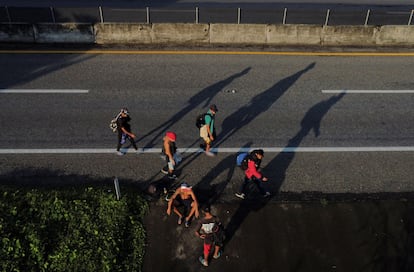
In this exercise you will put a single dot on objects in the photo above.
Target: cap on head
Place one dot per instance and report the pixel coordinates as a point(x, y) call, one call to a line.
point(185, 185)
point(125, 110)
point(214, 108)
point(171, 135)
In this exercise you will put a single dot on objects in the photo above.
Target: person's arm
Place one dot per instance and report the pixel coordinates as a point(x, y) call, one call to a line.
point(168, 151)
point(207, 119)
point(251, 166)
point(171, 201)
point(130, 134)
point(198, 229)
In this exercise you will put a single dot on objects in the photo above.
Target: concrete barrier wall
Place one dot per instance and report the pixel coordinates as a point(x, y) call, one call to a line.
point(237, 34)
point(17, 33)
point(293, 35)
point(214, 34)
point(123, 33)
point(64, 33)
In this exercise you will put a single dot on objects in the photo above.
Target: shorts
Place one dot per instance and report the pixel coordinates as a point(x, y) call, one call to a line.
point(183, 202)
point(204, 134)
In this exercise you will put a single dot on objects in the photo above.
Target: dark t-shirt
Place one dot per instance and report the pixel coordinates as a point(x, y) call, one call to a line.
point(122, 122)
point(210, 227)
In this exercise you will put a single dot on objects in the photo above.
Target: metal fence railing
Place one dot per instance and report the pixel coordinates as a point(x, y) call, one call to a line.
point(206, 15)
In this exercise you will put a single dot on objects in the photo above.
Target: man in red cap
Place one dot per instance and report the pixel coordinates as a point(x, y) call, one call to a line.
point(170, 150)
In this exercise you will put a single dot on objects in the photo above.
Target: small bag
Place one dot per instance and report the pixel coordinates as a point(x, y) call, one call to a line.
point(113, 125)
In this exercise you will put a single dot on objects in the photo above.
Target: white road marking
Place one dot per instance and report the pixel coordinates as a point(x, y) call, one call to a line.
point(216, 150)
point(43, 91)
point(370, 91)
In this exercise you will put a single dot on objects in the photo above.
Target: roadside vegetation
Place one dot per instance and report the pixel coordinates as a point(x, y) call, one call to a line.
point(76, 229)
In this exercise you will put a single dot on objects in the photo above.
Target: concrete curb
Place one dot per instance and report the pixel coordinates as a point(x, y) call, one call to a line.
point(209, 34)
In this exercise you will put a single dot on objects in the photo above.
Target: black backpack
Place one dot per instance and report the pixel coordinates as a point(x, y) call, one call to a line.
point(201, 121)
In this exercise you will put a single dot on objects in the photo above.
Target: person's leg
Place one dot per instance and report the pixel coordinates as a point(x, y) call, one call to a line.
point(176, 204)
point(192, 209)
point(206, 253)
point(242, 190)
point(170, 166)
point(118, 147)
point(133, 143)
point(259, 185)
point(216, 254)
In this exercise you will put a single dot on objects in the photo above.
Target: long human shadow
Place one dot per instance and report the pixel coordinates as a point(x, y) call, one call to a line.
point(30, 70)
point(257, 105)
point(202, 98)
point(277, 167)
point(207, 193)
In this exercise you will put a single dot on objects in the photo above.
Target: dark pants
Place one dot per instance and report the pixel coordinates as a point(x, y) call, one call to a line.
point(256, 181)
point(129, 138)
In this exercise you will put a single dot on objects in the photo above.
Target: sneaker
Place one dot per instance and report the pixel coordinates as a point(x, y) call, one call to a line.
point(266, 194)
point(218, 255)
point(187, 223)
point(202, 261)
point(174, 177)
point(240, 195)
point(210, 154)
point(164, 171)
point(119, 153)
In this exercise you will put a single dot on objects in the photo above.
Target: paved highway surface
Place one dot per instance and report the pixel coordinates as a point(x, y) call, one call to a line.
point(342, 115)
point(332, 141)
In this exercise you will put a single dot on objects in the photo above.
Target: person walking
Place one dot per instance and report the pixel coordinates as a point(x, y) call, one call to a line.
point(184, 196)
point(207, 131)
point(124, 131)
point(253, 174)
point(169, 149)
point(210, 230)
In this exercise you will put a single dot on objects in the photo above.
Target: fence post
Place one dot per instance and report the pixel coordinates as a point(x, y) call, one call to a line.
point(101, 14)
point(148, 15)
point(238, 15)
point(52, 13)
point(366, 18)
point(117, 189)
point(8, 14)
point(327, 17)
point(411, 17)
point(284, 16)
point(196, 15)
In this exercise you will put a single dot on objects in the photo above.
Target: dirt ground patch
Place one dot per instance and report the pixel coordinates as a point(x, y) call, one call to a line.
point(371, 235)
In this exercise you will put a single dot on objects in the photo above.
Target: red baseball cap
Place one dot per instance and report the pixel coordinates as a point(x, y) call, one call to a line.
point(171, 135)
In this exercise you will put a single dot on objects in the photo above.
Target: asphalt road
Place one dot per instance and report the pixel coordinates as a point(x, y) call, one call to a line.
point(358, 209)
point(264, 101)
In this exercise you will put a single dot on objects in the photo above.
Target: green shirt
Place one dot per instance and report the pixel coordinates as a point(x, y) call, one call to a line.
point(209, 120)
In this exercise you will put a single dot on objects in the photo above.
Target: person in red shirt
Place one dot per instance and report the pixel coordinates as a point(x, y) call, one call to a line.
point(253, 174)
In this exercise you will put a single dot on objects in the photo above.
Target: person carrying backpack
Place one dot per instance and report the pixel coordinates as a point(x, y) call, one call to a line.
point(210, 230)
point(252, 173)
point(207, 130)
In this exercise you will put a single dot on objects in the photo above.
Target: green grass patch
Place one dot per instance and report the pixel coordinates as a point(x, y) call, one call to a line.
point(75, 229)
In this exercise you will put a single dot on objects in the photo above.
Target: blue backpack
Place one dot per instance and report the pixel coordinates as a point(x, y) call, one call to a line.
point(242, 160)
